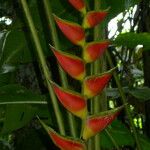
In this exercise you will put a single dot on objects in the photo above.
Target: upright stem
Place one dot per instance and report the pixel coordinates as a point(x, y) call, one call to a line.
point(97, 67)
point(124, 101)
point(44, 66)
point(91, 145)
point(63, 77)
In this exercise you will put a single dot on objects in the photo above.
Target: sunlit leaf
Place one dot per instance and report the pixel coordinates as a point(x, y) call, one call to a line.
point(131, 40)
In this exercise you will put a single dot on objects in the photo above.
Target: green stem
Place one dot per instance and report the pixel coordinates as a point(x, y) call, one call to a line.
point(97, 67)
point(63, 77)
point(23, 102)
point(82, 93)
point(44, 66)
point(112, 139)
point(91, 144)
point(124, 101)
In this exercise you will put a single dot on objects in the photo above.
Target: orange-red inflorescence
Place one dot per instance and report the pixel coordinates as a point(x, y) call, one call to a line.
point(74, 66)
point(66, 144)
point(74, 32)
point(95, 50)
point(75, 103)
point(78, 4)
point(93, 18)
point(95, 84)
point(96, 124)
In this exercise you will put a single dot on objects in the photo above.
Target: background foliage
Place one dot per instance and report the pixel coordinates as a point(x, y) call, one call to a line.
point(22, 90)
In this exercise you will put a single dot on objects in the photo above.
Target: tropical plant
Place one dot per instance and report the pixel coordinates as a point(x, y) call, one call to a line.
point(79, 84)
point(76, 67)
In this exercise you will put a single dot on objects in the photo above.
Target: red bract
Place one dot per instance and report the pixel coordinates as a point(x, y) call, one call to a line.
point(93, 18)
point(73, 65)
point(94, 50)
point(64, 143)
point(95, 124)
point(79, 5)
point(94, 85)
point(72, 31)
point(72, 101)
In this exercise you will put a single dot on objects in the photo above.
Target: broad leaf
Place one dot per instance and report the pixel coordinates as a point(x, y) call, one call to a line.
point(18, 94)
point(142, 94)
point(145, 142)
point(14, 48)
point(120, 134)
point(112, 92)
point(5, 78)
point(16, 117)
point(131, 40)
point(19, 112)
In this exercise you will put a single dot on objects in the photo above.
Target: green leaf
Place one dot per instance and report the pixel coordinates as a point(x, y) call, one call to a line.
point(26, 136)
point(142, 94)
point(5, 78)
point(112, 92)
point(3, 35)
point(145, 142)
point(15, 49)
point(119, 133)
point(18, 115)
point(19, 95)
point(131, 40)
point(18, 46)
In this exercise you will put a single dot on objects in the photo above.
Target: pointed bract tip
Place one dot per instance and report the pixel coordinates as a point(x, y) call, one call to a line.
point(99, 122)
point(73, 65)
point(94, 50)
point(73, 31)
point(62, 142)
point(94, 85)
point(79, 5)
point(72, 101)
point(94, 18)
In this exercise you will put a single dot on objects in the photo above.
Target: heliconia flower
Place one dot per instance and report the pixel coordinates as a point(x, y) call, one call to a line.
point(93, 85)
point(96, 123)
point(72, 101)
point(73, 31)
point(94, 50)
point(79, 5)
point(73, 65)
point(62, 142)
point(93, 18)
